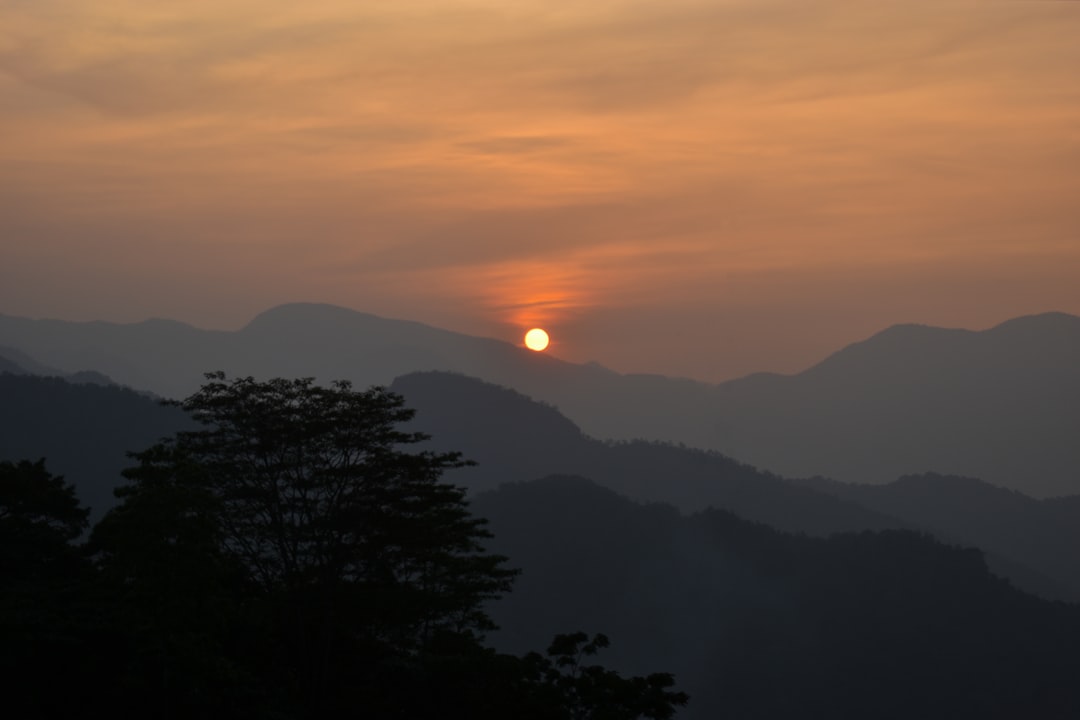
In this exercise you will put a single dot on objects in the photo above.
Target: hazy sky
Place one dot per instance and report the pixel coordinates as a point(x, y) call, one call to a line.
point(703, 188)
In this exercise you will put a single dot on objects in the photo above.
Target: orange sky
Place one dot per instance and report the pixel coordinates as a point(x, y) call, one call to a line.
point(703, 188)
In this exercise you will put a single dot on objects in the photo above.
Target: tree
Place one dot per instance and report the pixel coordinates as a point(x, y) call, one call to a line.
point(42, 577)
point(591, 692)
point(36, 504)
point(296, 556)
point(175, 606)
point(346, 544)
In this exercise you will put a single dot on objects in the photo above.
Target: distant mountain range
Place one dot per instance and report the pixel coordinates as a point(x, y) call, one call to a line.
point(767, 596)
point(755, 623)
point(84, 432)
point(1002, 405)
point(513, 439)
point(1042, 535)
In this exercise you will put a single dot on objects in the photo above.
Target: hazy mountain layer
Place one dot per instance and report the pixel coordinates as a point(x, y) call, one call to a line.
point(760, 624)
point(16, 362)
point(1040, 534)
point(83, 431)
point(512, 438)
point(1002, 405)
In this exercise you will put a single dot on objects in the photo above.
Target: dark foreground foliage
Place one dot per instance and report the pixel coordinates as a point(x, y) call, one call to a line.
point(291, 558)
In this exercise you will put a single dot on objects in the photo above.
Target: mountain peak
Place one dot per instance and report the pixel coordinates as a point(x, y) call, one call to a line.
point(301, 313)
point(902, 348)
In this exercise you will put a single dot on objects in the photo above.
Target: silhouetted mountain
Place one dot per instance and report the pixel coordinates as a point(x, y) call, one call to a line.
point(19, 363)
point(300, 340)
point(7, 366)
point(1001, 404)
point(89, 377)
point(83, 431)
point(760, 624)
point(1042, 535)
point(84, 434)
point(513, 438)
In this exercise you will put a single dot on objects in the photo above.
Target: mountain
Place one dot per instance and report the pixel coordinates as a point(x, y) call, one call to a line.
point(169, 358)
point(9, 366)
point(1001, 404)
point(1042, 535)
point(83, 431)
point(17, 362)
point(755, 623)
point(513, 438)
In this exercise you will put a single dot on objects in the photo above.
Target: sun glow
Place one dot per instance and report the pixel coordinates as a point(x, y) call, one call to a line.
point(536, 339)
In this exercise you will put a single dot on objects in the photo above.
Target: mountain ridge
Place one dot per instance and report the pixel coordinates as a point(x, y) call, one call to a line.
point(1000, 404)
point(759, 623)
point(86, 432)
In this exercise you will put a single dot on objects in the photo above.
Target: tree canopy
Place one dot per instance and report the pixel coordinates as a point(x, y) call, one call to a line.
point(41, 575)
point(297, 554)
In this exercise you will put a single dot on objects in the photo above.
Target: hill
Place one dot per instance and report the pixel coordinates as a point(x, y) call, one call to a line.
point(1040, 534)
point(83, 431)
point(513, 438)
point(760, 624)
point(1001, 404)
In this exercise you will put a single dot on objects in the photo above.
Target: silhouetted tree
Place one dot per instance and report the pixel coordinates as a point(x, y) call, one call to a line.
point(476, 683)
point(346, 545)
point(591, 692)
point(42, 580)
point(175, 605)
point(38, 508)
point(295, 557)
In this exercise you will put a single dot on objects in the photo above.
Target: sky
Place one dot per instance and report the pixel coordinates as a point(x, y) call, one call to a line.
point(686, 187)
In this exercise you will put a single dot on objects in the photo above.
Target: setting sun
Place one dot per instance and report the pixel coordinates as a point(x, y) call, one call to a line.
point(536, 339)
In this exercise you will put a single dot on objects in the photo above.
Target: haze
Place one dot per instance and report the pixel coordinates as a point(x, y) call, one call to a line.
point(690, 188)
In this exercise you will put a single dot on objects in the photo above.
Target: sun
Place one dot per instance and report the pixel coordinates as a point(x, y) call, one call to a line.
point(536, 339)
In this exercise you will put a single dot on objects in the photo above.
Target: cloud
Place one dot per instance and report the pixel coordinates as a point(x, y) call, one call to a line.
point(493, 156)
point(515, 145)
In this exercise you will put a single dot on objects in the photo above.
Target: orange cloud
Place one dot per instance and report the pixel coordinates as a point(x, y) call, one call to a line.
point(479, 162)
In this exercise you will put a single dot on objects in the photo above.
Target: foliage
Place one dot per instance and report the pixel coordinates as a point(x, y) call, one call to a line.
point(292, 557)
point(41, 582)
point(301, 506)
point(315, 490)
point(35, 503)
point(592, 692)
point(39, 517)
point(85, 431)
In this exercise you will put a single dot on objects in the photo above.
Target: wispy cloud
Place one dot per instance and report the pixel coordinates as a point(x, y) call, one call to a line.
point(503, 156)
